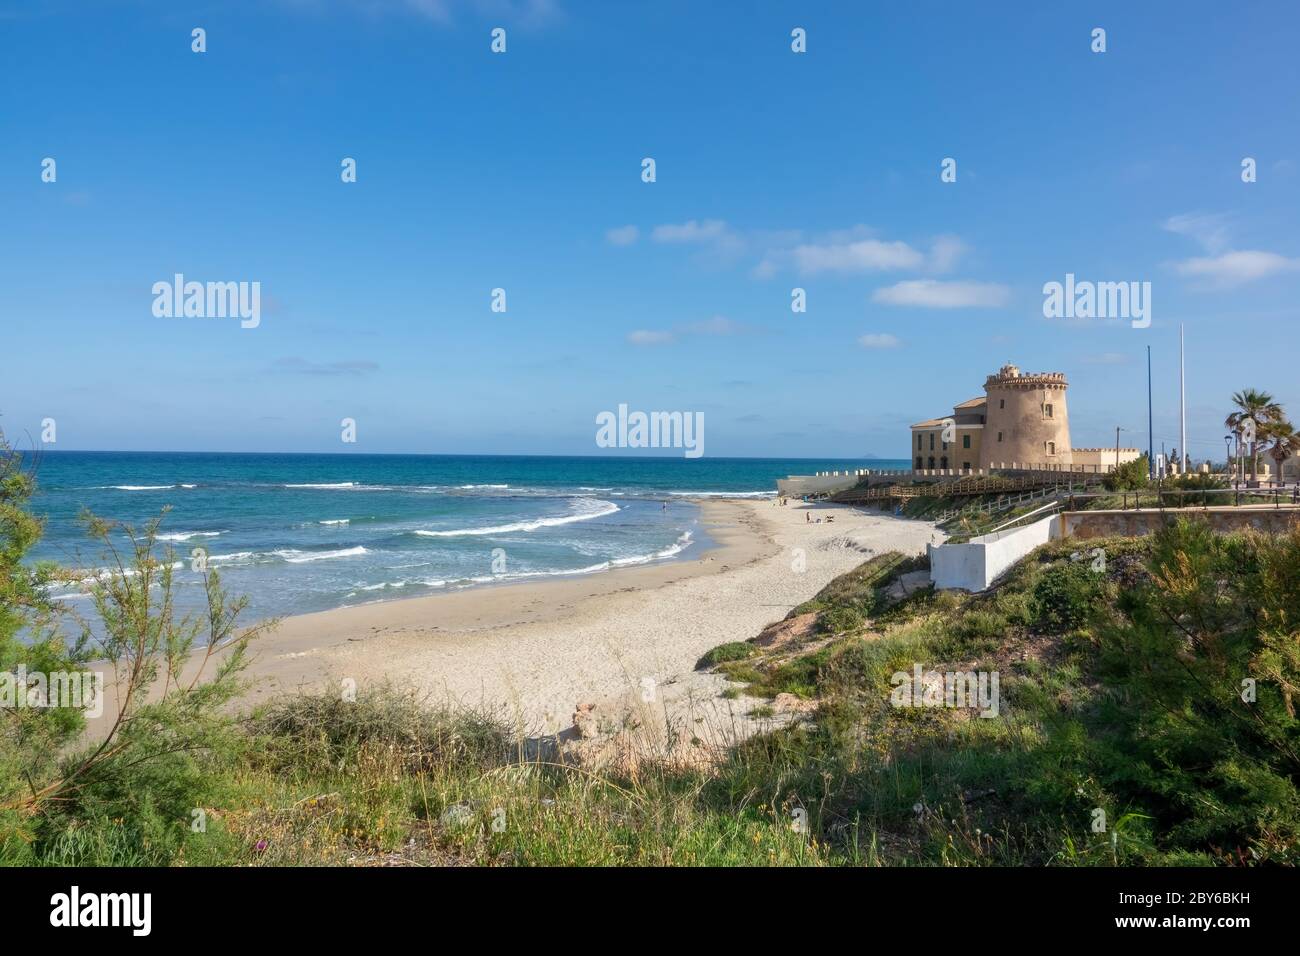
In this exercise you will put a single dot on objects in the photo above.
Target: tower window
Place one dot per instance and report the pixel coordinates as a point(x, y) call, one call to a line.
point(1047, 410)
point(931, 442)
point(1051, 448)
point(999, 436)
point(1002, 403)
point(965, 441)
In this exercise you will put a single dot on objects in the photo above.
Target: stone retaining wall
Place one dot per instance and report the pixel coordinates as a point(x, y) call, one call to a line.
point(1099, 524)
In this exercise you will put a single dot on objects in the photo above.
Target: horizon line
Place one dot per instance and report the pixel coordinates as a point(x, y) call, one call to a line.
point(419, 454)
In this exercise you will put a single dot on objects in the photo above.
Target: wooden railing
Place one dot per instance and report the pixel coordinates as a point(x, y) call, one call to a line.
point(967, 486)
point(1000, 504)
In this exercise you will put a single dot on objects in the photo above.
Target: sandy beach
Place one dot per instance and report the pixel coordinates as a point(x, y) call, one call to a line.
point(622, 640)
point(535, 651)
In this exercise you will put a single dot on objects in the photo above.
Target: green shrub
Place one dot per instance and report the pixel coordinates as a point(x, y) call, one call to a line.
point(126, 798)
point(1062, 598)
point(1130, 476)
point(979, 625)
point(740, 672)
point(799, 676)
point(1013, 606)
point(1215, 618)
point(731, 651)
point(31, 738)
point(839, 620)
point(1191, 490)
point(324, 731)
point(860, 588)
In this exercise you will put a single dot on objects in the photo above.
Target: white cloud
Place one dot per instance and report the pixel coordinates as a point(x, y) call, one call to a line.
point(866, 255)
point(859, 249)
point(622, 235)
point(530, 13)
point(718, 325)
point(1235, 268)
point(1210, 230)
point(710, 230)
point(933, 294)
point(879, 340)
point(945, 252)
point(718, 243)
point(650, 337)
point(1223, 267)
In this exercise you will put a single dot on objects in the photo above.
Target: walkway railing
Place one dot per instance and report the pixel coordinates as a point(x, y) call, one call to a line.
point(999, 504)
point(1158, 498)
point(1036, 515)
point(967, 486)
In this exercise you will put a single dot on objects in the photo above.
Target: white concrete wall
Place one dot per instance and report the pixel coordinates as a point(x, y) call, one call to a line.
point(797, 485)
point(976, 564)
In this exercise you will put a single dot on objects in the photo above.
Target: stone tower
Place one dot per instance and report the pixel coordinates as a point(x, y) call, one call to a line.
point(1027, 421)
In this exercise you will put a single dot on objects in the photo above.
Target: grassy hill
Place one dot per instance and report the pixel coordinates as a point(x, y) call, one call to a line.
point(1121, 737)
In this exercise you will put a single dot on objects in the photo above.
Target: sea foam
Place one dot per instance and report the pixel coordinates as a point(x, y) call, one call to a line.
point(294, 556)
point(602, 509)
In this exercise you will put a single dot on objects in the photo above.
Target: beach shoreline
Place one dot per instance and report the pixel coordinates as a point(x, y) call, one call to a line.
point(531, 652)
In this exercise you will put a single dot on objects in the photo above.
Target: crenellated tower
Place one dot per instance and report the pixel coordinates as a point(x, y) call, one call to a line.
point(1027, 420)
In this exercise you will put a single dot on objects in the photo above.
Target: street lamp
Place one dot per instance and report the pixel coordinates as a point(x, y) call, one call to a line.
point(1227, 455)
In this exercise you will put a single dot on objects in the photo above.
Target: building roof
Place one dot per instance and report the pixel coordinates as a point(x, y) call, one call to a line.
point(972, 402)
point(936, 422)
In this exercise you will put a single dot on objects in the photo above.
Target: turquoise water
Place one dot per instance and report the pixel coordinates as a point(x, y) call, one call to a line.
point(299, 533)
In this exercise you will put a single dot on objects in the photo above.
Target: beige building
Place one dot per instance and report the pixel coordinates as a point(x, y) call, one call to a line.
point(1103, 459)
point(1021, 421)
point(962, 452)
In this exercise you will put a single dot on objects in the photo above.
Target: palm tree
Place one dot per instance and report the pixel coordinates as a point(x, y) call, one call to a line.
point(1285, 442)
point(1260, 407)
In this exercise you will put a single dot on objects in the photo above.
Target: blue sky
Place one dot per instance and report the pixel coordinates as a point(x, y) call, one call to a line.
point(522, 171)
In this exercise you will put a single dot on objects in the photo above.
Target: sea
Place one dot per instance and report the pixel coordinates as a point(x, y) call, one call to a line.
point(296, 533)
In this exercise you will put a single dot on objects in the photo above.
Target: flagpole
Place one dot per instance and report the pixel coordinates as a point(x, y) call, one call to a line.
point(1151, 460)
point(1182, 401)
